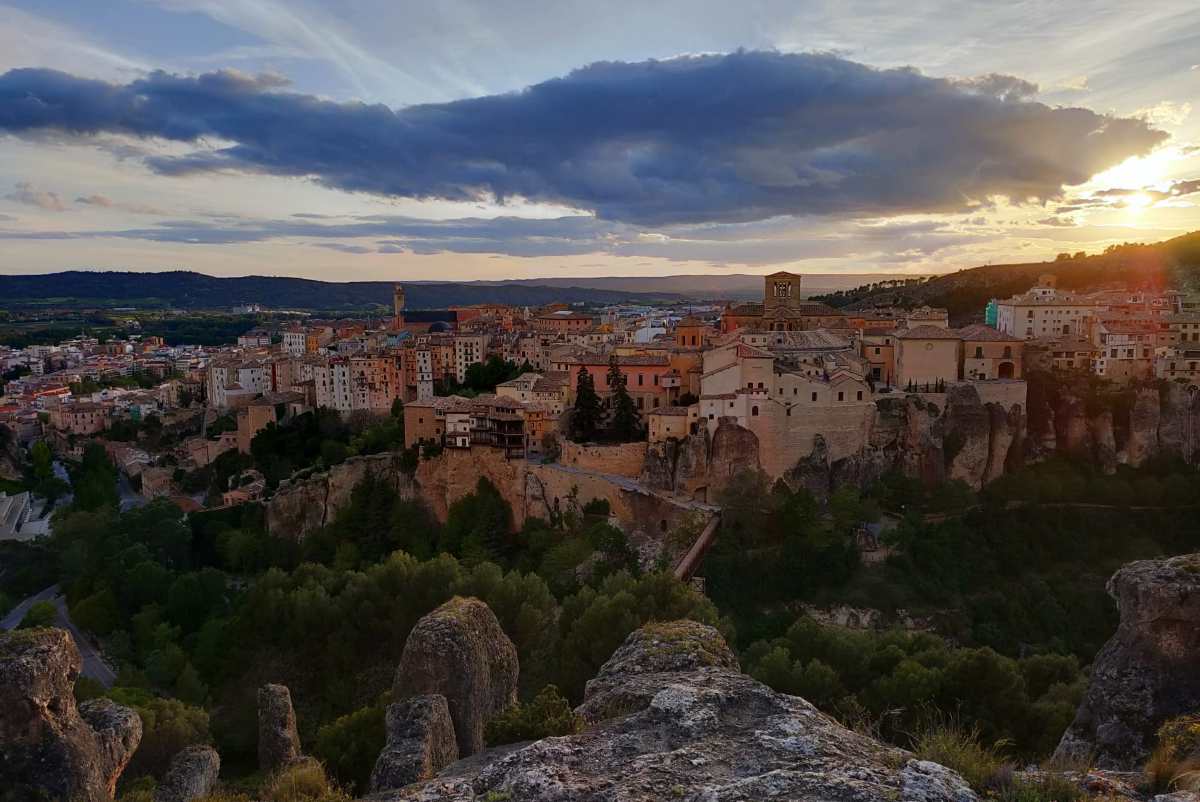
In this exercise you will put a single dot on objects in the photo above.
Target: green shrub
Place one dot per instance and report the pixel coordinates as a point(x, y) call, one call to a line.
point(548, 714)
point(959, 748)
point(350, 744)
point(39, 614)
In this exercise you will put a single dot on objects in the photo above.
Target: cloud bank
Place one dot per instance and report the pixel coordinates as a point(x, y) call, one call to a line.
point(716, 138)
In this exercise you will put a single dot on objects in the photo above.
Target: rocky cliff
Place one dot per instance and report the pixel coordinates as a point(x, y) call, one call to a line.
point(1113, 426)
point(303, 505)
point(672, 717)
point(49, 748)
point(1149, 671)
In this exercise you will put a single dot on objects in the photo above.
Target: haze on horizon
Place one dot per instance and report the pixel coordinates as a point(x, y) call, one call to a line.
point(481, 140)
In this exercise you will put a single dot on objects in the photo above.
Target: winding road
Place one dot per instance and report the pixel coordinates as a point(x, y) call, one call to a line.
point(94, 666)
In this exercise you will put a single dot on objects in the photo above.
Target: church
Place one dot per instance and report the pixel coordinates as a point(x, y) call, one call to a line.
point(782, 309)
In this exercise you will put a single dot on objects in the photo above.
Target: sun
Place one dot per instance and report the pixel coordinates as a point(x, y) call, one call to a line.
point(1138, 201)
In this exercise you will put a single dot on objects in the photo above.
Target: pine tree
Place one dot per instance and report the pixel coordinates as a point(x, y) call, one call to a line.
point(585, 417)
point(626, 422)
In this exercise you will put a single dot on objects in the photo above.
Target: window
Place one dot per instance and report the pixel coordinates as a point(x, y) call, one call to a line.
point(814, 397)
point(640, 379)
point(841, 396)
point(1008, 352)
point(979, 352)
point(754, 411)
point(860, 395)
point(876, 352)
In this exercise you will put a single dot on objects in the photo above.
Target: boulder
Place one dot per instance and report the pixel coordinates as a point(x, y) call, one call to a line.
point(1149, 671)
point(48, 747)
point(118, 733)
point(192, 775)
point(278, 739)
point(673, 718)
point(459, 651)
point(420, 742)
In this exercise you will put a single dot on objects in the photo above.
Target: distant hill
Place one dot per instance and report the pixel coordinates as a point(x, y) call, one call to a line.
point(188, 290)
point(726, 286)
point(1174, 263)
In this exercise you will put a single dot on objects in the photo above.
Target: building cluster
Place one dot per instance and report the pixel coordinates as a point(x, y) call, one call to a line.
point(1119, 335)
point(74, 386)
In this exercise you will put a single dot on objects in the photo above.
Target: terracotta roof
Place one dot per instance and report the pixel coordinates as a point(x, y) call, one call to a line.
point(928, 333)
point(978, 332)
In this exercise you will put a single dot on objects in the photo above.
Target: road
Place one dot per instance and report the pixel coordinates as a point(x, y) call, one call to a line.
point(94, 666)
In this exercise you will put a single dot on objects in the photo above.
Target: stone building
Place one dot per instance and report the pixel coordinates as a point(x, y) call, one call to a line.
point(783, 309)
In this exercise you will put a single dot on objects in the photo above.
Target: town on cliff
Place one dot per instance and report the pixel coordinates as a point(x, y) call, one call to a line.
point(688, 550)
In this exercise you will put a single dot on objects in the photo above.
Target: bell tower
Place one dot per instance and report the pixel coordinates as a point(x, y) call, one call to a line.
point(398, 305)
point(781, 291)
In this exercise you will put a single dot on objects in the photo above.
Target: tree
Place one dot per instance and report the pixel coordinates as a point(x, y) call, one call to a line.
point(585, 417)
point(40, 614)
point(626, 421)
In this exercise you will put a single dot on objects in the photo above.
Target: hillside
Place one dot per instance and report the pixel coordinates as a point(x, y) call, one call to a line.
point(724, 286)
point(188, 290)
point(1172, 263)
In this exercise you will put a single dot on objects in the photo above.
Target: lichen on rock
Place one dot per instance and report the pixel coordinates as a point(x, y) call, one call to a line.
point(49, 748)
point(1149, 671)
point(460, 652)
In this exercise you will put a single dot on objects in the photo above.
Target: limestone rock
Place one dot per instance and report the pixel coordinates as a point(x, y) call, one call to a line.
point(1149, 671)
point(47, 748)
point(677, 720)
point(192, 774)
point(420, 742)
point(966, 442)
point(278, 739)
point(734, 449)
point(305, 505)
point(118, 733)
point(1143, 427)
point(460, 652)
point(1104, 441)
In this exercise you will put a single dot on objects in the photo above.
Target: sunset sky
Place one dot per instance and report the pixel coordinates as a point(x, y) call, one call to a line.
point(468, 139)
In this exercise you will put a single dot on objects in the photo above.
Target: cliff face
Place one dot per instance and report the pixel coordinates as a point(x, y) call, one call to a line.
point(966, 440)
point(1128, 427)
point(305, 505)
point(1149, 671)
point(672, 717)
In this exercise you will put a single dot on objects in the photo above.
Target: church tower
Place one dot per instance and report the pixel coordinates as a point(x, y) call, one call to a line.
point(398, 305)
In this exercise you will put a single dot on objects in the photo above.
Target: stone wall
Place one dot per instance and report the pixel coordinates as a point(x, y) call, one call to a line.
point(621, 459)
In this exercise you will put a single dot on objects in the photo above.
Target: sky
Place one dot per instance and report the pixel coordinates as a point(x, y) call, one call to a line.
point(490, 139)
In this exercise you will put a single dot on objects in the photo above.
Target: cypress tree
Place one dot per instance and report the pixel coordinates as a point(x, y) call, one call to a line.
point(626, 422)
point(585, 417)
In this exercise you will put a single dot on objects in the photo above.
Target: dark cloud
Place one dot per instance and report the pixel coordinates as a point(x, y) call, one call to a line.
point(757, 243)
point(1004, 87)
point(744, 136)
point(344, 247)
point(26, 193)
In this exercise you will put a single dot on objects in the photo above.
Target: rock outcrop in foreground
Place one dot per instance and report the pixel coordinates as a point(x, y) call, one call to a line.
point(1149, 671)
point(420, 742)
point(460, 652)
point(49, 748)
point(674, 718)
point(192, 775)
point(278, 739)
